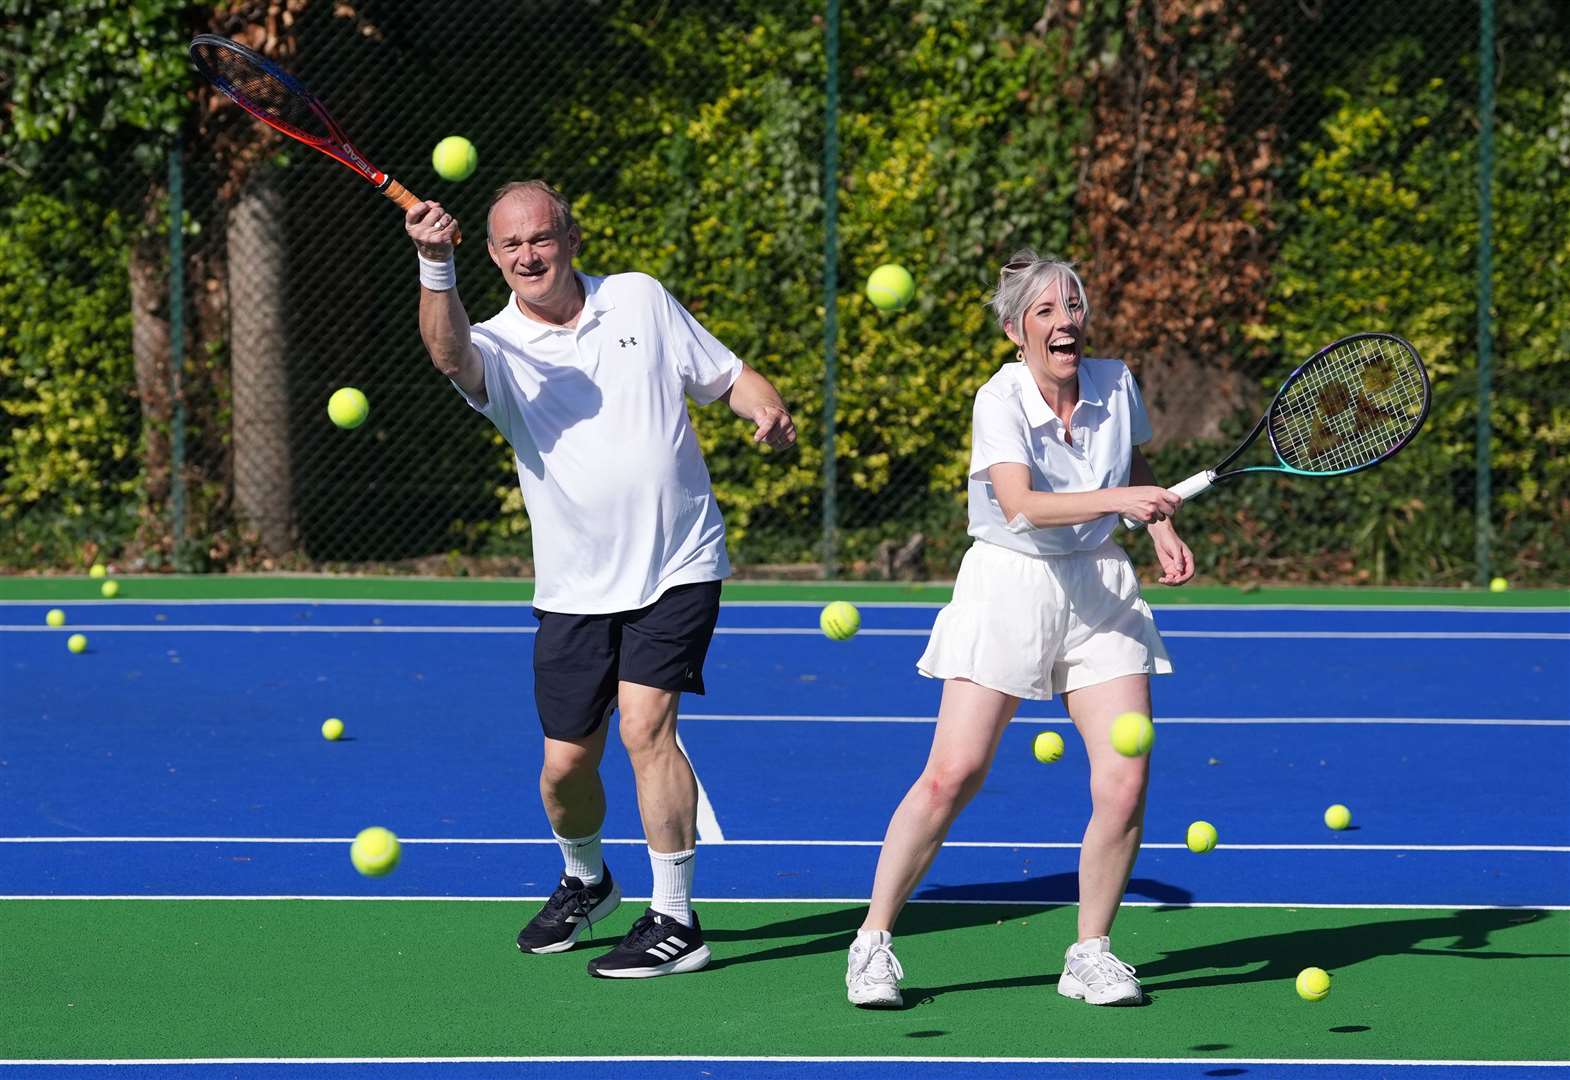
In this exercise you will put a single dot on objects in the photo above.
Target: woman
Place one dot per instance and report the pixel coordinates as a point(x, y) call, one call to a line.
point(1045, 603)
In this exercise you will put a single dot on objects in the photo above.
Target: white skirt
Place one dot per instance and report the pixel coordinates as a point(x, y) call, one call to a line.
point(1033, 626)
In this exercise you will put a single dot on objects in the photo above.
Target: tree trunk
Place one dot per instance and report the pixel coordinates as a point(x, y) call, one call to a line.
point(150, 353)
point(263, 492)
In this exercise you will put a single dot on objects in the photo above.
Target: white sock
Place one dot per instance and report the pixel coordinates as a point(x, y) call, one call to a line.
point(874, 937)
point(582, 857)
point(673, 884)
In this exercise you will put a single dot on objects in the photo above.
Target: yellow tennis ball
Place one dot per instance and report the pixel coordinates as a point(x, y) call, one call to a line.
point(110, 589)
point(1313, 984)
point(56, 617)
point(840, 620)
point(1499, 584)
point(1338, 817)
point(375, 851)
point(97, 570)
point(890, 287)
point(1201, 837)
point(347, 407)
point(332, 729)
point(77, 643)
point(1133, 734)
point(455, 158)
point(1048, 747)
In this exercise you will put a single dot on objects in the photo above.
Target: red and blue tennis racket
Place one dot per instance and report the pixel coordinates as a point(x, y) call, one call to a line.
point(282, 102)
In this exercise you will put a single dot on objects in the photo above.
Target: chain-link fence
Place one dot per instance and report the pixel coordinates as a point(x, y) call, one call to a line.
point(1242, 180)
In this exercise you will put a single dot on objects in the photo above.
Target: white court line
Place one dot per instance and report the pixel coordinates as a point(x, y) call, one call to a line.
point(783, 631)
point(856, 900)
point(846, 1060)
point(708, 824)
point(1033, 845)
point(1459, 721)
point(1458, 609)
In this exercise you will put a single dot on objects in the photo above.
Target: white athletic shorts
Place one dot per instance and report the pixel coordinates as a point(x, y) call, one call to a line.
point(1033, 626)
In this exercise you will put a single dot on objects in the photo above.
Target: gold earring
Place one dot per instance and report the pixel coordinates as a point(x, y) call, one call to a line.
point(1019, 354)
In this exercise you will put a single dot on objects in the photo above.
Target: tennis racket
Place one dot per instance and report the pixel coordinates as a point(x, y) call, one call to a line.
point(283, 103)
point(1350, 406)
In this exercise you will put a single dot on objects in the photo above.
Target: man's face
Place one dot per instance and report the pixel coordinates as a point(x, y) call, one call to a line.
point(1054, 328)
point(532, 250)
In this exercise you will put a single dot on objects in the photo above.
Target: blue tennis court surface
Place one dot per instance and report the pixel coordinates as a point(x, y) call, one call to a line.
point(180, 756)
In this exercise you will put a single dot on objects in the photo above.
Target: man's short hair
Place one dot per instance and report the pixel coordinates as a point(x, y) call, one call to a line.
point(561, 209)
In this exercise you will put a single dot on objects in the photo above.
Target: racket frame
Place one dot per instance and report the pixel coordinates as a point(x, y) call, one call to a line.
point(336, 145)
point(1193, 485)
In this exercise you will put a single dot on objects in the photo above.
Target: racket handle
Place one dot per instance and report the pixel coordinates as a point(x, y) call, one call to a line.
point(1183, 489)
point(406, 198)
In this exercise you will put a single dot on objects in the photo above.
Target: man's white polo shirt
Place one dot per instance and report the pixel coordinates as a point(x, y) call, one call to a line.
point(617, 493)
point(1012, 422)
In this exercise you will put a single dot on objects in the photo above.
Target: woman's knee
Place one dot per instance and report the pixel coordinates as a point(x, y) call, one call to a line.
point(1119, 794)
point(948, 786)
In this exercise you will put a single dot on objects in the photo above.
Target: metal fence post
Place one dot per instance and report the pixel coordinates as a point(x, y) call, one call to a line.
point(831, 149)
point(1485, 285)
point(176, 352)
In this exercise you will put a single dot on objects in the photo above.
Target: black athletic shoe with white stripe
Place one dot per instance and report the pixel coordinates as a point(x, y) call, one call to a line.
point(568, 914)
point(656, 945)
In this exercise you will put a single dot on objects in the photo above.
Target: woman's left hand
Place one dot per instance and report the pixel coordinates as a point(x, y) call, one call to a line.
point(1177, 561)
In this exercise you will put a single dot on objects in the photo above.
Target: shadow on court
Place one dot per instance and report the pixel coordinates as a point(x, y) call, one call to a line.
point(1463, 935)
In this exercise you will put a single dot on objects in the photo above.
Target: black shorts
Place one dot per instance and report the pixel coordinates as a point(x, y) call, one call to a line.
point(578, 659)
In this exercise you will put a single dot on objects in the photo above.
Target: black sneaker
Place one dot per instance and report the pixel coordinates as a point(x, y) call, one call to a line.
point(571, 910)
point(656, 945)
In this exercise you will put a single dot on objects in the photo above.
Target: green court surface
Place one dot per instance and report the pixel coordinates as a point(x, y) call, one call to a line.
point(320, 978)
point(517, 590)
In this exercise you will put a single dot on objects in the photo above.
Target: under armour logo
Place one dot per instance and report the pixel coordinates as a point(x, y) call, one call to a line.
point(627, 341)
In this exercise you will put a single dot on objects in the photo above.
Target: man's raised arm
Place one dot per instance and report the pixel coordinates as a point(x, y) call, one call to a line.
point(444, 325)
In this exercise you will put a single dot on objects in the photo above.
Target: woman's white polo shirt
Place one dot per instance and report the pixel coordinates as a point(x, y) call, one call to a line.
point(1038, 612)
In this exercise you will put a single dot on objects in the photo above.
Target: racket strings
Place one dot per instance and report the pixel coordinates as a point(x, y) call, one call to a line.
point(1350, 406)
point(259, 91)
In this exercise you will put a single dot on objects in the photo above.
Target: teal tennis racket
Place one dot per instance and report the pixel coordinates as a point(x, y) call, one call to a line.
point(1353, 404)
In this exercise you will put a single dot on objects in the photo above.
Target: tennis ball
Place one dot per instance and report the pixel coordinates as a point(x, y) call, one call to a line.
point(1201, 837)
point(890, 287)
point(56, 617)
point(77, 643)
point(454, 158)
point(1048, 747)
point(1338, 817)
point(110, 589)
point(840, 620)
point(1499, 584)
point(347, 407)
point(1133, 734)
point(1313, 984)
point(332, 729)
point(97, 570)
point(375, 851)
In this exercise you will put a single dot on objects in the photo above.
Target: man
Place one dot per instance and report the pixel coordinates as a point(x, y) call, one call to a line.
point(587, 378)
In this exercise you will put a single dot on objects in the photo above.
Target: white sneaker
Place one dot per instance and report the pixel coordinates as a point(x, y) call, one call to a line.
point(1092, 974)
point(872, 971)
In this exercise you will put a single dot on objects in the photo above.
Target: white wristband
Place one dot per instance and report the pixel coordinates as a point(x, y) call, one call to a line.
point(438, 276)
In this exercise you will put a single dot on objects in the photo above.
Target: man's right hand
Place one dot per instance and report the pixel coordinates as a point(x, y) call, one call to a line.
point(432, 229)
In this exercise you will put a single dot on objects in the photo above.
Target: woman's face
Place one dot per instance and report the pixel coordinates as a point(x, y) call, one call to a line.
point(1052, 331)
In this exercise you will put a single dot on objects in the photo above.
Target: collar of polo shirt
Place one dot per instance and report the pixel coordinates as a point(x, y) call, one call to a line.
point(594, 302)
point(1037, 411)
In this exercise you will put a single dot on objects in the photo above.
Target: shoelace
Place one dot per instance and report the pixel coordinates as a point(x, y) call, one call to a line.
point(1104, 969)
point(566, 900)
point(891, 964)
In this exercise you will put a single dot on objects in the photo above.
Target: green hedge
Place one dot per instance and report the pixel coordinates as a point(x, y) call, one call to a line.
point(69, 476)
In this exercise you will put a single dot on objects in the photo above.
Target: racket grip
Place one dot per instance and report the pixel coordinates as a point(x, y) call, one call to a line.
point(1183, 489)
point(406, 198)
